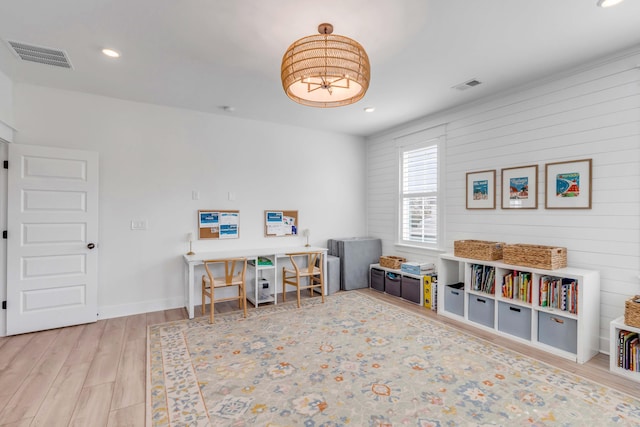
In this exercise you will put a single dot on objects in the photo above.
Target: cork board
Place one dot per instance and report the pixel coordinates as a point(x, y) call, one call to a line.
point(280, 223)
point(218, 224)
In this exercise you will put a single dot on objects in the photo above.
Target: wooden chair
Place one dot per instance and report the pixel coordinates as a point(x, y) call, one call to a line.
point(309, 277)
point(235, 270)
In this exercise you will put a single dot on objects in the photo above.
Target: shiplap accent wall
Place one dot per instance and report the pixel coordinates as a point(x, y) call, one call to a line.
point(590, 112)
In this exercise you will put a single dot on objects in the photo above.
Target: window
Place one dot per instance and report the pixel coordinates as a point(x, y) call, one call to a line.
point(419, 194)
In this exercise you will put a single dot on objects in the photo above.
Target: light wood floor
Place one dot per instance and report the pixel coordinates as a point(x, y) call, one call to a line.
point(94, 375)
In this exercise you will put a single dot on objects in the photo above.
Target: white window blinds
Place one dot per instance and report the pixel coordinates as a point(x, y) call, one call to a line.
point(419, 195)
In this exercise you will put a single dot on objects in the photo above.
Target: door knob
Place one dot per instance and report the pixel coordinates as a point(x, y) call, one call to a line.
point(91, 245)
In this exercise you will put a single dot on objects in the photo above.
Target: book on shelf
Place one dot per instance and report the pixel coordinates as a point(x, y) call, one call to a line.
point(261, 261)
point(560, 293)
point(628, 350)
point(483, 278)
point(517, 285)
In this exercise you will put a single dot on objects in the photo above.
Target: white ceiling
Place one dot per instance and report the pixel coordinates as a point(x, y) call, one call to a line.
point(205, 54)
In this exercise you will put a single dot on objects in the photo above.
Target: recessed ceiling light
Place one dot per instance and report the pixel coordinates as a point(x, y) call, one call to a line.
point(111, 53)
point(609, 3)
point(370, 109)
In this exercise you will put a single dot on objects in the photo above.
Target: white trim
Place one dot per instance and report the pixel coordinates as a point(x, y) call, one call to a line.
point(416, 140)
point(7, 132)
point(149, 306)
point(422, 136)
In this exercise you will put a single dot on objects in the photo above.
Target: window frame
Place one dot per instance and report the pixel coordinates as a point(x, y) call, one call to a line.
point(434, 137)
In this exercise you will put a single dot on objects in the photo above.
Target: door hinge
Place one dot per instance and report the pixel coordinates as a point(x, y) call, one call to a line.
point(4, 234)
point(4, 305)
point(5, 164)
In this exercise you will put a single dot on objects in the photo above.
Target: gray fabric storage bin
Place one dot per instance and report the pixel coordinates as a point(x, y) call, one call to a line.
point(410, 289)
point(558, 331)
point(482, 310)
point(377, 279)
point(514, 320)
point(392, 283)
point(454, 298)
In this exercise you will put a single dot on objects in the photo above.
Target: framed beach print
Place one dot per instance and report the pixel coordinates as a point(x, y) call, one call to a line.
point(568, 185)
point(481, 190)
point(520, 187)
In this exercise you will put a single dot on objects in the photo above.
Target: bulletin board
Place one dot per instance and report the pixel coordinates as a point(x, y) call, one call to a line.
point(279, 223)
point(218, 224)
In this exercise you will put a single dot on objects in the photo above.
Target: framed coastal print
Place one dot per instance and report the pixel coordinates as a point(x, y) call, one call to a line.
point(520, 187)
point(481, 190)
point(568, 185)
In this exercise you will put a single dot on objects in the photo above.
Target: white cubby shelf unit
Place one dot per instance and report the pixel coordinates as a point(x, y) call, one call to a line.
point(572, 333)
point(397, 283)
point(616, 326)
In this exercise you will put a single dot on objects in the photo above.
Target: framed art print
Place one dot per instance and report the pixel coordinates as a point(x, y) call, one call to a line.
point(568, 185)
point(520, 187)
point(481, 190)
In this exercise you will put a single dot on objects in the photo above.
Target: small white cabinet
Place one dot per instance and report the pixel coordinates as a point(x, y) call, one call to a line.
point(262, 288)
point(617, 349)
point(554, 310)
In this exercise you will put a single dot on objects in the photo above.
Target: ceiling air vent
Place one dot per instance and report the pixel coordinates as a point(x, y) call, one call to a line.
point(468, 84)
point(41, 55)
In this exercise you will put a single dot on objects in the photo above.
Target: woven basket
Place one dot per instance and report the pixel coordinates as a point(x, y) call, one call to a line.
point(391, 261)
point(632, 312)
point(478, 249)
point(545, 257)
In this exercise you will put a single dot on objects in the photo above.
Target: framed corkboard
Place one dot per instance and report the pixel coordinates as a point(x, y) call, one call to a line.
point(218, 224)
point(280, 223)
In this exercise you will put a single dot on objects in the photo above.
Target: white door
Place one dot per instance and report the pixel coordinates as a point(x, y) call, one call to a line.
point(52, 224)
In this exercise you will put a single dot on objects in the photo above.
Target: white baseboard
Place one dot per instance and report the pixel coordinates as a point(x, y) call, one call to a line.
point(120, 310)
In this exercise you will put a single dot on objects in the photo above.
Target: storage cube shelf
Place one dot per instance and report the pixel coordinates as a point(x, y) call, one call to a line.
point(617, 349)
point(399, 283)
point(519, 303)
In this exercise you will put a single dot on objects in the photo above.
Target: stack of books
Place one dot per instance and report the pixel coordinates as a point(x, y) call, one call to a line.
point(629, 356)
point(417, 268)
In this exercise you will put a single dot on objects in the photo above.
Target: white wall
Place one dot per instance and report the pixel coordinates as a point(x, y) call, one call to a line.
point(593, 112)
point(152, 158)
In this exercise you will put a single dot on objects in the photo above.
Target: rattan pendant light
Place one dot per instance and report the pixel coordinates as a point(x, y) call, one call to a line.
point(325, 70)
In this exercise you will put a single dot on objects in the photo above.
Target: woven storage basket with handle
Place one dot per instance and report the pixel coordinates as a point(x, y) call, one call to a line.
point(391, 261)
point(632, 312)
point(478, 249)
point(545, 257)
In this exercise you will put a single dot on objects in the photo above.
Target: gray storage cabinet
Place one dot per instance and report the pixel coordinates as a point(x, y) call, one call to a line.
point(356, 256)
point(454, 298)
point(557, 331)
point(377, 279)
point(392, 283)
point(514, 320)
point(481, 310)
point(410, 289)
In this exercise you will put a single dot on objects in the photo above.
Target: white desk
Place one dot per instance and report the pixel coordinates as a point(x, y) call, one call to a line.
point(191, 261)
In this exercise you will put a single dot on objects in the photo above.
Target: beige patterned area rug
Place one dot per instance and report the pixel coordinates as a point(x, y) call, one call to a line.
point(358, 361)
